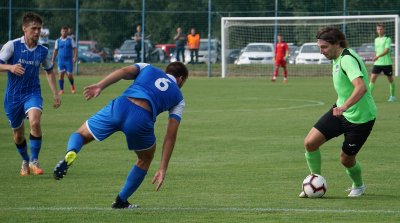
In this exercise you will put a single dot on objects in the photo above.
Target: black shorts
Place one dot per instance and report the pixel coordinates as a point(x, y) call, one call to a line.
point(386, 69)
point(355, 135)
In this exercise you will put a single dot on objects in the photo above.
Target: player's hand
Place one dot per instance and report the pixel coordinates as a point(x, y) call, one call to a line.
point(338, 111)
point(57, 101)
point(158, 178)
point(91, 91)
point(17, 69)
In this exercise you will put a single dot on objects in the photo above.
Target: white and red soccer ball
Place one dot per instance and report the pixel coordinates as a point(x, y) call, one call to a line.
point(314, 186)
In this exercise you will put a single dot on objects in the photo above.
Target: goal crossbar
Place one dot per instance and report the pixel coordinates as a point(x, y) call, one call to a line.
point(275, 22)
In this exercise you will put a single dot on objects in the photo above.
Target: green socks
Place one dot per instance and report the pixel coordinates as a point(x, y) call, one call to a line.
point(391, 88)
point(355, 175)
point(371, 86)
point(314, 161)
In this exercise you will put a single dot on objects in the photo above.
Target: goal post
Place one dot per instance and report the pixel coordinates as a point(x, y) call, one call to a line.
point(246, 42)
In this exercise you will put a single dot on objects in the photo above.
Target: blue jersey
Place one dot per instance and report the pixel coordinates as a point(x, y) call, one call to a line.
point(65, 48)
point(159, 89)
point(17, 52)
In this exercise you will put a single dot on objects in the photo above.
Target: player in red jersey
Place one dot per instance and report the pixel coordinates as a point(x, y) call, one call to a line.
point(281, 53)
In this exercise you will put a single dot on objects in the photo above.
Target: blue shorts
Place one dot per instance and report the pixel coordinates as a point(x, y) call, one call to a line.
point(123, 115)
point(16, 111)
point(65, 66)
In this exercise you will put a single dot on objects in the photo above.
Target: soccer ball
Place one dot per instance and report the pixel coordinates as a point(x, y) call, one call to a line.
point(314, 186)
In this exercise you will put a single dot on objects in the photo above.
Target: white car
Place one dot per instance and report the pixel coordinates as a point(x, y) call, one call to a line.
point(257, 53)
point(309, 53)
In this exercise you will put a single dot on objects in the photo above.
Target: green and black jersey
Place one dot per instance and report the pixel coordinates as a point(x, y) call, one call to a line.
point(346, 68)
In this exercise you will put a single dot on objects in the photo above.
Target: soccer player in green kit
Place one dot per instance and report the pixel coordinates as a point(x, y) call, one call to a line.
point(353, 114)
point(383, 61)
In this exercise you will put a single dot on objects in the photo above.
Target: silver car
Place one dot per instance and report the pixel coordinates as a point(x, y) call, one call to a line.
point(257, 53)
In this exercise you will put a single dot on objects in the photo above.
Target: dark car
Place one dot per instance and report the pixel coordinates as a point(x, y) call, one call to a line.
point(94, 47)
point(85, 55)
point(233, 55)
point(127, 54)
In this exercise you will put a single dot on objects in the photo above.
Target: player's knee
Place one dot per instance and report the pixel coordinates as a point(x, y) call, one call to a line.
point(18, 138)
point(347, 161)
point(35, 126)
point(309, 145)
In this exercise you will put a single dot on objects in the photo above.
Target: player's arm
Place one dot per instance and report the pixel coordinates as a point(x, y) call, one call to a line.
point(168, 147)
point(75, 55)
point(384, 52)
point(351, 67)
point(127, 73)
point(51, 78)
point(387, 44)
point(75, 50)
point(5, 54)
point(359, 90)
point(286, 51)
point(55, 52)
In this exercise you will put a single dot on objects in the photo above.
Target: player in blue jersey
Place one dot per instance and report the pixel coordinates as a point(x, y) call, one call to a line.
point(134, 113)
point(22, 58)
point(67, 53)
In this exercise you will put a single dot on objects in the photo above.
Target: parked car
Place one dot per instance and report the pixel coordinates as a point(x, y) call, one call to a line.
point(167, 52)
point(293, 52)
point(215, 51)
point(309, 53)
point(85, 55)
point(94, 47)
point(233, 55)
point(127, 54)
point(367, 52)
point(257, 53)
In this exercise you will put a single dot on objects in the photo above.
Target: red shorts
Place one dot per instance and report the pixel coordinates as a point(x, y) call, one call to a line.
point(280, 62)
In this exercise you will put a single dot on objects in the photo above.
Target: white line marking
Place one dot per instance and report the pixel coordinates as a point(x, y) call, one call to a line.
point(310, 103)
point(190, 209)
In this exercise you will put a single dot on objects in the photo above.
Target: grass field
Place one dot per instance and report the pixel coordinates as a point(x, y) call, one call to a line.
point(239, 158)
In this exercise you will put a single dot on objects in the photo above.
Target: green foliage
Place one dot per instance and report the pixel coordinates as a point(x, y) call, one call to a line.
point(111, 22)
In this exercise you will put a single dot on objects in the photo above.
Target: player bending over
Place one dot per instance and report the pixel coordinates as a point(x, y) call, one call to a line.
point(134, 113)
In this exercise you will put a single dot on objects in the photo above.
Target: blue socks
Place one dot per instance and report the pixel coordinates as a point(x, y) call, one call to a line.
point(23, 150)
point(61, 83)
point(133, 181)
point(75, 142)
point(36, 144)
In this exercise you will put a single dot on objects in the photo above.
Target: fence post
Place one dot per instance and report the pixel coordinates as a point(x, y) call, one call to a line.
point(77, 35)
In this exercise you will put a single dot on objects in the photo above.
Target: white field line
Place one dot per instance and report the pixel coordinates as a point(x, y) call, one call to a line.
point(199, 209)
point(307, 103)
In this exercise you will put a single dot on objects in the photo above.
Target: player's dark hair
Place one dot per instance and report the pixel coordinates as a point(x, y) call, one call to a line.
point(177, 69)
point(64, 27)
point(332, 35)
point(380, 25)
point(31, 17)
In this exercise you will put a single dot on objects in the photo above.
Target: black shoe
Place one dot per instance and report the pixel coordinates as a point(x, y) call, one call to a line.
point(60, 170)
point(119, 204)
